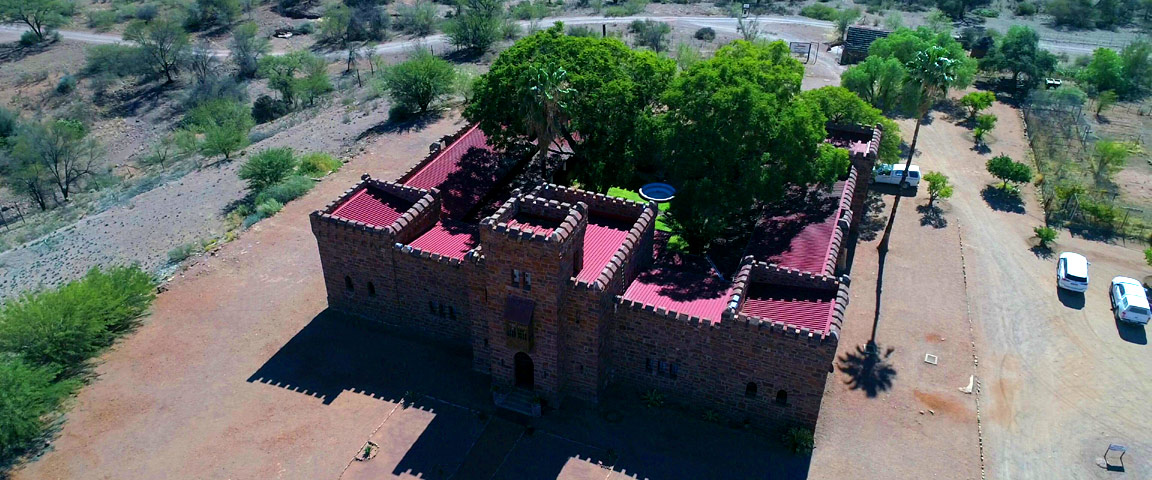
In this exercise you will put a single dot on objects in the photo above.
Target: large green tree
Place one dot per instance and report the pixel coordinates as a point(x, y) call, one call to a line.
point(617, 87)
point(879, 81)
point(1018, 52)
point(870, 79)
point(1104, 72)
point(737, 134)
point(58, 151)
point(39, 15)
point(1136, 60)
point(164, 41)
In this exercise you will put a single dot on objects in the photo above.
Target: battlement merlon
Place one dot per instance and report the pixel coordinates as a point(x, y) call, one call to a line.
point(569, 218)
point(423, 211)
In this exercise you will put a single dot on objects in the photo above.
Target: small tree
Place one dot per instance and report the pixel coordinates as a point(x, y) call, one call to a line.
point(415, 84)
point(223, 125)
point(268, 168)
point(651, 34)
point(39, 15)
point(845, 18)
point(477, 26)
point(315, 81)
point(280, 70)
point(57, 151)
point(247, 48)
point(1008, 171)
point(938, 186)
point(1104, 101)
point(977, 101)
point(165, 42)
point(984, 124)
point(1108, 157)
point(417, 18)
point(1045, 234)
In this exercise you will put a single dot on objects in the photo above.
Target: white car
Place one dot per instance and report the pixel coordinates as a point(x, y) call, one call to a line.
point(893, 172)
point(1072, 272)
point(1129, 302)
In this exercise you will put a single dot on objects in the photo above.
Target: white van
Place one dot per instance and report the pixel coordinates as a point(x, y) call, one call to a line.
point(891, 173)
point(1129, 302)
point(1072, 272)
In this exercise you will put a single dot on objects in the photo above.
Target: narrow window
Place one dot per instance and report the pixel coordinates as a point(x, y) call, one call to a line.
point(750, 390)
point(661, 368)
point(515, 277)
point(648, 364)
point(431, 307)
point(348, 283)
point(442, 311)
point(451, 312)
point(527, 281)
point(673, 370)
point(371, 289)
point(485, 342)
point(782, 398)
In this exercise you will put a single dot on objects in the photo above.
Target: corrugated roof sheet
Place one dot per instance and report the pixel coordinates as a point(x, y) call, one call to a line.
point(535, 224)
point(448, 238)
point(691, 292)
point(464, 172)
point(799, 236)
point(373, 207)
point(602, 239)
point(802, 308)
point(859, 38)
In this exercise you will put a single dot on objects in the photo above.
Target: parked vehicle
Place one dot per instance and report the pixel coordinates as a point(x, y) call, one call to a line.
point(892, 173)
point(1129, 301)
point(1072, 272)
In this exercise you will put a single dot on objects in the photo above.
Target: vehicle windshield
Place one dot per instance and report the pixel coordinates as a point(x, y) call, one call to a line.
point(914, 174)
point(1075, 278)
point(1138, 310)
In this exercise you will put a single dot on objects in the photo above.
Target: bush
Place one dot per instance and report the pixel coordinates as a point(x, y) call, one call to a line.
point(1025, 9)
point(415, 84)
point(181, 253)
point(582, 31)
point(215, 87)
point(987, 12)
point(318, 164)
point(269, 208)
point(530, 9)
point(146, 12)
point(706, 34)
point(267, 109)
point(66, 85)
point(477, 26)
point(799, 440)
point(268, 168)
point(1148, 256)
point(286, 190)
point(651, 34)
point(29, 393)
point(102, 19)
point(418, 18)
point(28, 39)
point(9, 120)
point(225, 125)
point(61, 329)
point(629, 8)
point(819, 12)
point(118, 60)
point(1046, 235)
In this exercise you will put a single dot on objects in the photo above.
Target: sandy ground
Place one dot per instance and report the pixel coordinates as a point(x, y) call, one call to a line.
point(1058, 379)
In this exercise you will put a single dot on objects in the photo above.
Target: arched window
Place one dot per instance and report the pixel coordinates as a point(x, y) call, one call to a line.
point(371, 289)
point(750, 390)
point(782, 398)
point(348, 283)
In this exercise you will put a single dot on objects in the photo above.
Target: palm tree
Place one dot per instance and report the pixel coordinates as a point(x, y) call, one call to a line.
point(929, 75)
point(545, 106)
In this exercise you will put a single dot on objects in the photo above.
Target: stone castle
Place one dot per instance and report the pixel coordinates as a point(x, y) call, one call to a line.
point(559, 292)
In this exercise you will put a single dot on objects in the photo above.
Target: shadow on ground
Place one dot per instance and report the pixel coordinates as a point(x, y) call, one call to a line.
point(446, 426)
point(931, 216)
point(1131, 333)
point(1042, 252)
point(1070, 299)
point(415, 123)
point(1003, 200)
point(867, 371)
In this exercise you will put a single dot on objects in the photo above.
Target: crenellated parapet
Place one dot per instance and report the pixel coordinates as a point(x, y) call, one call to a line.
point(425, 205)
point(570, 217)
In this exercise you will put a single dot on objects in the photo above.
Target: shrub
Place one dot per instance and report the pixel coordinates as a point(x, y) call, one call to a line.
point(286, 190)
point(651, 34)
point(1148, 256)
point(146, 12)
point(477, 26)
point(706, 34)
point(631, 7)
point(984, 124)
point(799, 440)
point(1008, 171)
point(317, 164)
point(9, 120)
point(118, 60)
point(29, 393)
point(415, 84)
point(102, 19)
point(225, 125)
point(1025, 9)
point(418, 18)
point(987, 12)
point(28, 39)
point(653, 398)
point(582, 31)
point(61, 329)
point(1046, 235)
point(819, 12)
point(530, 9)
point(267, 109)
point(269, 208)
point(215, 87)
point(267, 168)
point(181, 253)
point(66, 85)
point(977, 101)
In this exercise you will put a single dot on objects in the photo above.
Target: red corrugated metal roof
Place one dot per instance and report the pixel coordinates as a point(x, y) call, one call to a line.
point(800, 237)
point(464, 172)
point(797, 307)
point(373, 207)
point(602, 240)
point(448, 238)
point(535, 224)
point(694, 293)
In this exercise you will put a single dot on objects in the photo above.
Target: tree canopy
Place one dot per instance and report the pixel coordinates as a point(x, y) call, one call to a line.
point(1018, 52)
point(1008, 171)
point(883, 79)
point(839, 105)
point(617, 88)
point(737, 133)
point(39, 15)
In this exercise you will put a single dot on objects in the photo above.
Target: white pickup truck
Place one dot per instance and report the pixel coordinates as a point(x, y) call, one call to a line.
point(892, 173)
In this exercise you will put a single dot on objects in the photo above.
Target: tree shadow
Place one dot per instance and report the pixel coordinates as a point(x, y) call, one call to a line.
point(931, 216)
point(867, 371)
point(14, 52)
point(873, 222)
point(130, 102)
point(1042, 252)
point(414, 123)
point(1131, 332)
point(1003, 200)
point(981, 148)
point(1096, 233)
point(1070, 299)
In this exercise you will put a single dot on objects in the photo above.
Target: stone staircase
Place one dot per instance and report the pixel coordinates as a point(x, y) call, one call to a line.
point(518, 400)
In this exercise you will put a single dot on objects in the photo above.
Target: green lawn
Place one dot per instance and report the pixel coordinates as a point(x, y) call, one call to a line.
point(635, 196)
